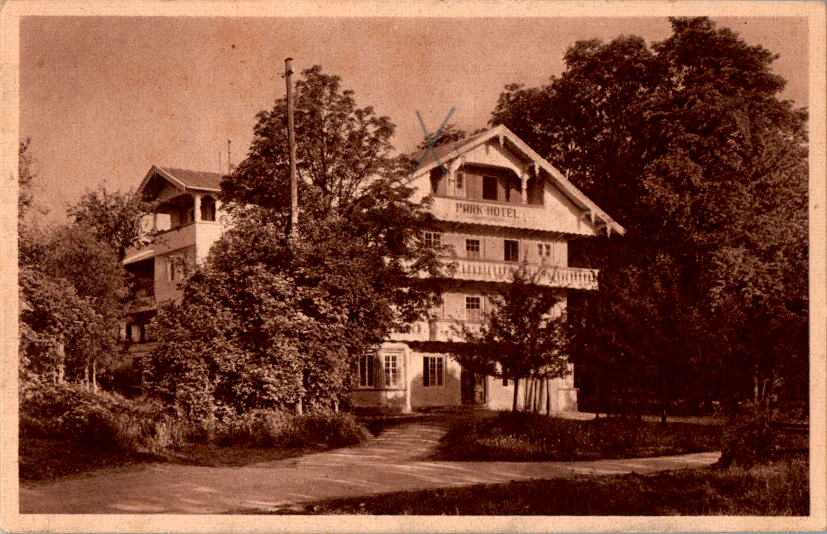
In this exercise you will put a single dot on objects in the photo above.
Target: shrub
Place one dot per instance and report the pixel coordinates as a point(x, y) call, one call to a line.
point(527, 436)
point(748, 440)
point(270, 428)
point(98, 421)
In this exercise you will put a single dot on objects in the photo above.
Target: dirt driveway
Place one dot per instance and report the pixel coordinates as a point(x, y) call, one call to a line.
point(395, 460)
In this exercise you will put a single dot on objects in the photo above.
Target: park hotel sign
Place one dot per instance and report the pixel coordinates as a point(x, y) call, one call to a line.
point(487, 210)
point(468, 211)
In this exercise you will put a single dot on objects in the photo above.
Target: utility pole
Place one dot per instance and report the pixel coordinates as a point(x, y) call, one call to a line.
point(229, 161)
point(292, 225)
point(291, 142)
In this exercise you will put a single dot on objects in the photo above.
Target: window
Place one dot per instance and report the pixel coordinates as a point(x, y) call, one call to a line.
point(391, 370)
point(512, 192)
point(136, 333)
point(505, 382)
point(544, 250)
point(438, 181)
point(367, 362)
point(489, 187)
point(460, 182)
point(433, 369)
point(172, 269)
point(208, 208)
point(473, 309)
point(472, 248)
point(512, 250)
point(433, 239)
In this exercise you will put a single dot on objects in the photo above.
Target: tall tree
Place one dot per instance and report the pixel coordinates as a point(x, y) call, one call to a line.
point(522, 336)
point(114, 218)
point(687, 143)
point(350, 278)
point(25, 178)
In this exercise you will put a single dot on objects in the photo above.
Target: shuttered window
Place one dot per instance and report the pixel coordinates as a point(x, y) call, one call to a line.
point(367, 375)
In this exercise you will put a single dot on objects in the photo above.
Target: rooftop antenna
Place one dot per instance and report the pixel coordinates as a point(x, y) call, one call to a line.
point(291, 143)
point(229, 161)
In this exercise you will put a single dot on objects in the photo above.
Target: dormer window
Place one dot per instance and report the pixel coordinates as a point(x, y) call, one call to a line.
point(460, 183)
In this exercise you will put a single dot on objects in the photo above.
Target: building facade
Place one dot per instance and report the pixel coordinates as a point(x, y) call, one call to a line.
point(497, 204)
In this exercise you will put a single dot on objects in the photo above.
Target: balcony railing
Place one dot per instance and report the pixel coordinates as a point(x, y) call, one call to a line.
point(501, 271)
point(139, 304)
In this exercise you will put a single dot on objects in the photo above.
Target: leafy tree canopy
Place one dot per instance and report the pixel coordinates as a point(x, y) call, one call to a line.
point(113, 218)
point(340, 288)
point(522, 336)
point(687, 143)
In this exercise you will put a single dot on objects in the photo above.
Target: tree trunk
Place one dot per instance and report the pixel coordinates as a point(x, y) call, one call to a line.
point(537, 396)
point(86, 376)
point(528, 390)
point(299, 407)
point(548, 397)
point(335, 406)
point(755, 388)
point(543, 393)
point(516, 394)
point(94, 376)
point(61, 365)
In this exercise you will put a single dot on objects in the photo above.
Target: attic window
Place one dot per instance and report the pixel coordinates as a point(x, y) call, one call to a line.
point(489, 188)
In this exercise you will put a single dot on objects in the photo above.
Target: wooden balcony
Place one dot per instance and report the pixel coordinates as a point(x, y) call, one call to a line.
point(140, 304)
point(501, 271)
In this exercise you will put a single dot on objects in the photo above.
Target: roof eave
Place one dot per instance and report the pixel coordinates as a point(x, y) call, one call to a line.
point(569, 189)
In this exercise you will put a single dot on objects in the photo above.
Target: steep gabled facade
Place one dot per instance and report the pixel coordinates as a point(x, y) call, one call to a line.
point(497, 204)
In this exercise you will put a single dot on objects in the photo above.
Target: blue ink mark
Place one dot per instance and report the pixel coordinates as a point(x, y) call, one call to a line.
point(432, 139)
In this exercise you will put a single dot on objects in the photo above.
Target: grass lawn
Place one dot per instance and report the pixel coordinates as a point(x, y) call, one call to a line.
point(776, 488)
point(524, 437)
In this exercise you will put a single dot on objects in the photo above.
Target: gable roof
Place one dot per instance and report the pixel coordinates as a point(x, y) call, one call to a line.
point(429, 156)
point(430, 159)
point(184, 179)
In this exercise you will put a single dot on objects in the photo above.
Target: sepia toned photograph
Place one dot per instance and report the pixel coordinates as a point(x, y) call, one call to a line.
point(414, 263)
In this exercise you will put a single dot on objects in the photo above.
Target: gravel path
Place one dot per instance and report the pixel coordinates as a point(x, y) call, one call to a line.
point(395, 460)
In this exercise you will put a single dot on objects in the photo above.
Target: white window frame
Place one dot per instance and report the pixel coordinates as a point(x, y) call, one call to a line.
point(470, 311)
point(433, 239)
point(380, 370)
point(390, 370)
point(433, 370)
point(473, 254)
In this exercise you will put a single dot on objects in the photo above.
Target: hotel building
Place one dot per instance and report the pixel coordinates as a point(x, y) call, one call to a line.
point(497, 204)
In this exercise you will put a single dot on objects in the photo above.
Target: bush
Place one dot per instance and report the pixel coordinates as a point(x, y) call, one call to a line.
point(66, 429)
point(98, 421)
point(269, 428)
point(748, 440)
point(526, 436)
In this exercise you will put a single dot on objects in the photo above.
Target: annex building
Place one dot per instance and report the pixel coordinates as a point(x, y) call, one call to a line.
point(497, 203)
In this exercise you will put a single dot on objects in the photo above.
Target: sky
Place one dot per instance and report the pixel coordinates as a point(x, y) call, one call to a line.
point(105, 98)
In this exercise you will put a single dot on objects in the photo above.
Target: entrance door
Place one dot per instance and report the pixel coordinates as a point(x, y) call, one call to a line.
point(473, 387)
